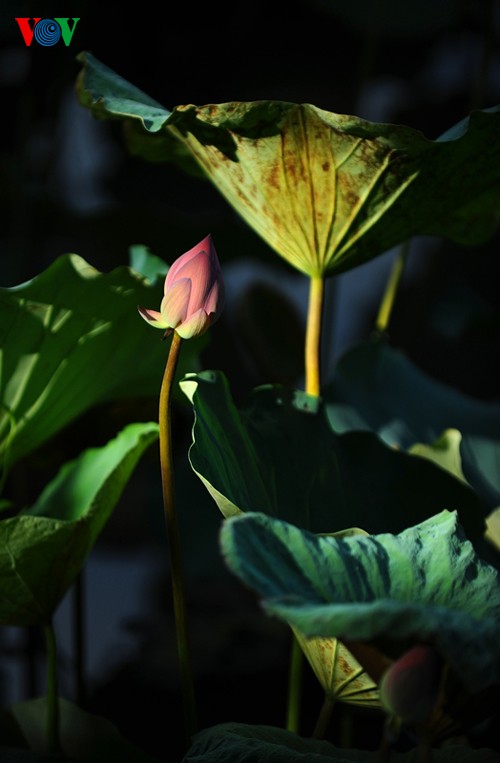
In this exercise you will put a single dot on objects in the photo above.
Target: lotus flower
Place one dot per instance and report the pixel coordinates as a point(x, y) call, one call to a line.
point(193, 293)
point(410, 687)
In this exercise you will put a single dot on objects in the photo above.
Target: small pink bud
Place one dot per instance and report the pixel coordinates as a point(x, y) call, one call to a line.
point(409, 689)
point(193, 293)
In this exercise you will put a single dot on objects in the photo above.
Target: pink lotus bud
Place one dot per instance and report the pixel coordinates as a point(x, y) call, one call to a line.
point(194, 293)
point(409, 689)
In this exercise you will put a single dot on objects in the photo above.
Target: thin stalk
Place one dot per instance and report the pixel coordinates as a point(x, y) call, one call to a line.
point(313, 335)
point(294, 687)
point(324, 717)
point(79, 637)
point(313, 387)
point(173, 537)
point(387, 304)
point(52, 719)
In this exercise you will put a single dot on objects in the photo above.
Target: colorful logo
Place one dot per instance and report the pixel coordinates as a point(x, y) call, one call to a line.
point(47, 31)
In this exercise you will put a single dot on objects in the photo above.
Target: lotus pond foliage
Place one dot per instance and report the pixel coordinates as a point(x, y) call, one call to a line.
point(358, 510)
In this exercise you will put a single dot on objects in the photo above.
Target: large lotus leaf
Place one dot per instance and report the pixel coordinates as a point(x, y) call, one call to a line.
point(71, 338)
point(242, 743)
point(43, 548)
point(425, 584)
point(327, 191)
point(376, 387)
point(279, 455)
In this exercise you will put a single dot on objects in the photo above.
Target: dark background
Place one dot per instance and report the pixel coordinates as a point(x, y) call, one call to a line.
point(69, 185)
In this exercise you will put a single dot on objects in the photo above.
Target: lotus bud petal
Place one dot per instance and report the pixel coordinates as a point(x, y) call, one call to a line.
point(193, 293)
point(409, 689)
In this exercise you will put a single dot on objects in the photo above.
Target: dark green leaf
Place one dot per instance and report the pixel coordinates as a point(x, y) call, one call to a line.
point(240, 743)
point(279, 455)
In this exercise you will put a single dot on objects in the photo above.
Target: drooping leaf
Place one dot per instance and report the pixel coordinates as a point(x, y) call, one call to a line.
point(426, 584)
point(70, 339)
point(377, 388)
point(109, 94)
point(241, 743)
point(279, 455)
point(327, 191)
point(43, 548)
point(84, 737)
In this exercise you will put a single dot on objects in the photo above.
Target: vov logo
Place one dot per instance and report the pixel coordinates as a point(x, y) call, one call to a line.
point(47, 31)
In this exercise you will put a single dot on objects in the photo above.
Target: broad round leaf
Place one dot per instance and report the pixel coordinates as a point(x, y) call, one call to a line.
point(327, 191)
point(279, 455)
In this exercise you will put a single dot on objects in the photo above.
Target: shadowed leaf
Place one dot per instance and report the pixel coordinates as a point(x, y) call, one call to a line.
point(278, 454)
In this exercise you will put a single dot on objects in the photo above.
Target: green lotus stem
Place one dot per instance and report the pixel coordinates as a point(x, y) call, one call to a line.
point(387, 304)
point(313, 335)
point(52, 719)
point(294, 687)
point(79, 637)
point(173, 537)
point(324, 717)
point(313, 387)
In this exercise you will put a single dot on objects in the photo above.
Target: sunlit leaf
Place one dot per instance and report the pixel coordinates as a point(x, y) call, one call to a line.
point(425, 585)
point(327, 191)
point(43, 549)
point(70, 339)
point(279, 454)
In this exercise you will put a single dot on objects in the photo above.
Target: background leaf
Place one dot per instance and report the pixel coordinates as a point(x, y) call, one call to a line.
point(376, 387)
point(425, 584)
point(43, 549)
